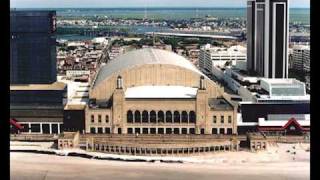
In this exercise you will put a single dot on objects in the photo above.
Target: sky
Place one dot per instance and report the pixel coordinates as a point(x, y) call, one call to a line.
point(138, 3)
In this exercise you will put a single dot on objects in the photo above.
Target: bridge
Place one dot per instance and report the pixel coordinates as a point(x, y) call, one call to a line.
point(193, 35)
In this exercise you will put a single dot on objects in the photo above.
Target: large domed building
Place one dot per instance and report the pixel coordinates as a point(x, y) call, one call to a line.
point(152, 91)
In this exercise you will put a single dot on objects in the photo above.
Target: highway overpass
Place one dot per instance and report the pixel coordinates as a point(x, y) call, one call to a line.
point(193, 35)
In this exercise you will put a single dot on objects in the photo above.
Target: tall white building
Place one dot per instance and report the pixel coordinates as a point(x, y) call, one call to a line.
point(220, 57)
point(301, 58)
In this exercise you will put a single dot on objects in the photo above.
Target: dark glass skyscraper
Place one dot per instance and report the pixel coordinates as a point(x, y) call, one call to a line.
point(267, 36)
point(32, 47)
point(36, 99)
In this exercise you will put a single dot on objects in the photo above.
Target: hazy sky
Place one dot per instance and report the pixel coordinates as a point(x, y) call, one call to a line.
point(138, 3)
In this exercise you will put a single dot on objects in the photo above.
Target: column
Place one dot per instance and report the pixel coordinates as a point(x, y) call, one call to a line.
point(29, 127)
point(41, 132)
point(92, 144)
point(58, 128)
point(50, 128)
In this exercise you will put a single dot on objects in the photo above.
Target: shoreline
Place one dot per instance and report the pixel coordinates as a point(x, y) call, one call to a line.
point(283, 152)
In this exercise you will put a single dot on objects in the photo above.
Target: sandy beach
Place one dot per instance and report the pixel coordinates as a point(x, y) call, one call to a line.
point(285, 161)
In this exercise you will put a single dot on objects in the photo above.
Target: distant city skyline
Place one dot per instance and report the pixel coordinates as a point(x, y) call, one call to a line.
point(138, 3)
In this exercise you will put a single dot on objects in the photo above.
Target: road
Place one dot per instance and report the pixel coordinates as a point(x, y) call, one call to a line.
point(28, 166)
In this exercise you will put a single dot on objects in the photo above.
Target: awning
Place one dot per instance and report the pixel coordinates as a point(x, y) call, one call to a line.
point(291, 122)
point(15, 123)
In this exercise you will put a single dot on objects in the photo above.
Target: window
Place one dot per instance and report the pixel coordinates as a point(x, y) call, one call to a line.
point(160, 117)
point(137, 117)
point(107, 119)
point(145, 116)
point(100, 130)
point(45, 129)
point(152, 130)
point(35, 128)
point(92, 118)
point(214, 131)
point(229, 131)
point(202, 131)
point(144, 130)
point(168, 117)
point(61, 127)
point(129, 117)
point(191, 131)
point(176, 131)
point(107, 130)
point(192, 117)
point(137, 130)
point(93, 130)
point(229, 119)
point(222, 119)
point(184, 131)
point(214, 119)
point(130, 131)
point(222, 131)
point(160, 131)
point(184, 117)
point(119, 131)
point(168, 131)
point(99, 118)
point(176, 117)
point(153, 117)
point(54, 128)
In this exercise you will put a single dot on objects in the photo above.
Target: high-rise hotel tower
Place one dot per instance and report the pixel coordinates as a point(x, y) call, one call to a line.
point(267, 37)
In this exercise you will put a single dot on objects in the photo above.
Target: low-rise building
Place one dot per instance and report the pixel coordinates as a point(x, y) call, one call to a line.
point(38, 107)
point(221, 57)
point(301, 58)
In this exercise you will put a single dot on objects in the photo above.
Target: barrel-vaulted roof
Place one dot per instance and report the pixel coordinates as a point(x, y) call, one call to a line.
point(142, 57)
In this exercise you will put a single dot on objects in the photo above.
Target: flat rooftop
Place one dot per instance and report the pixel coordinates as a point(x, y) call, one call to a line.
point(281, 82)
point(283, 87)
point(38, 87)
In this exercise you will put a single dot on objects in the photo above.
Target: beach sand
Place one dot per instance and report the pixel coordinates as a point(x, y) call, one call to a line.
point(276, 163)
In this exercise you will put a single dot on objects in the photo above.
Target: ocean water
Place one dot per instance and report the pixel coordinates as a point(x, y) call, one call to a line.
point(296, 14)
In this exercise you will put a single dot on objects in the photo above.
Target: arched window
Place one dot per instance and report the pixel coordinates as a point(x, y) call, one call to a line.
point(192, 117)
point(184, 117)
point(176, 117)
point(153, 116)
point(107, 119)
point(160, 117)
point(145, 116)
point(168, 117)
point(137, 117)
point(129, 116)
point(92, 118)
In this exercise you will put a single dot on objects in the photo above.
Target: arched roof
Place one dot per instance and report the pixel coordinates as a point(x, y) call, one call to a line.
point(141, 57)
